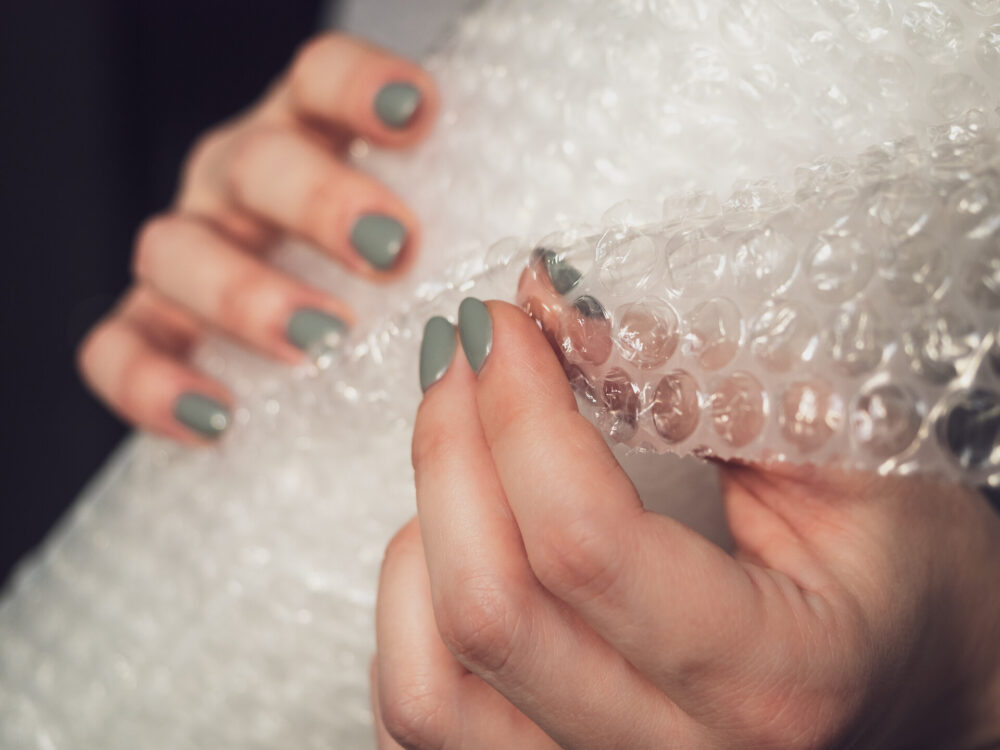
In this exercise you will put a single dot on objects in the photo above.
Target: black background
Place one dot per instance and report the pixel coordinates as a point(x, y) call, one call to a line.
point(99, 101)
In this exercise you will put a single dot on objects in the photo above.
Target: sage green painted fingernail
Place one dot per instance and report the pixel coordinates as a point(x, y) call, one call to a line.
point(436, 351)
point(379, 238)
point(396, 103)
point(475, 329)
point(590, 307)
point(204, 415)
point(562, 274)
point(308, 327)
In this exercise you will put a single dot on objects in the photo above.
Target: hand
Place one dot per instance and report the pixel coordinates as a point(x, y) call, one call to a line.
point(538, 605)
point(278, 169)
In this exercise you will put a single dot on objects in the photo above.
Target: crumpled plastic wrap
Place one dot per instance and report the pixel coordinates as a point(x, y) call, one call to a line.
point(223, 598)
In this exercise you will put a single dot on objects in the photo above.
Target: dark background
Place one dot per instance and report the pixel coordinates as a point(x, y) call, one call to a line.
point(99, 101)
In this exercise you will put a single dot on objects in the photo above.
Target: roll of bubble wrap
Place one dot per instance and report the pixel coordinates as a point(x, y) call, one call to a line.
point(224, 598)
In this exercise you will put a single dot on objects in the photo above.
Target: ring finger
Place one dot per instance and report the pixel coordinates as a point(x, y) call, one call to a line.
point(234, 290)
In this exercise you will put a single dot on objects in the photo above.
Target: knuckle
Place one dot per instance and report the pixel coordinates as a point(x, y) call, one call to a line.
point(312, 55)
point(238, 308)
point(479, 624)
point(431, 441)
point(405, 543)
point(151, 240)
point(133, 386)
point(577, 559)
point(204, 152)
point(414, 715)
point(249, 155)
point(88, 351)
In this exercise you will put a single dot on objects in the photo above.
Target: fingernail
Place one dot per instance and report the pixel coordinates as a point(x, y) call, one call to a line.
point(436, 351)
point(396, 103)
point(562, 275)
point(204, 415)
point(475, 329)
point(590, 307)
point(308, 327)
point(379, 238)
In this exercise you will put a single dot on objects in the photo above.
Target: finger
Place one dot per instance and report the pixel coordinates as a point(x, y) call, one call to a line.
point(383, 740)
point(491, 611)
point(340, 81)
point(148, 386)
point(425, 698)
point(669, 600)
point(293, 182)
point(234, 291)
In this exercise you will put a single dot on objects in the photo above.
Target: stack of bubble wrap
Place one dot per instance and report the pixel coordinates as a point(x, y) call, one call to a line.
point(839, 302)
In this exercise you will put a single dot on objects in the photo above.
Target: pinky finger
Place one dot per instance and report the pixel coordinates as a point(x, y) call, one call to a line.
point(150, 388)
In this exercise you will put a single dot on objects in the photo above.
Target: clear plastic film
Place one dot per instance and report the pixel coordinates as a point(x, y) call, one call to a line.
point(852, 321)
point(224, 598)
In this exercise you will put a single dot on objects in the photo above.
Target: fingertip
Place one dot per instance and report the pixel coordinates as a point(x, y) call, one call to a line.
point(522, 359)
point(405, 105)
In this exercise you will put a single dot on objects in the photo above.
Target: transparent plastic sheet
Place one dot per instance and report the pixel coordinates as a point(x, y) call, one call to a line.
point(851, 322)
point(224, 598)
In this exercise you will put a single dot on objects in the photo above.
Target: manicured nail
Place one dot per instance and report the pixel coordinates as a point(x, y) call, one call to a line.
point(308, 327)
point(436, 351)
point(379, 238)
point(590, 307)
point(475, 329)
point(562, 275)
point(206, 416)
point(396, 103)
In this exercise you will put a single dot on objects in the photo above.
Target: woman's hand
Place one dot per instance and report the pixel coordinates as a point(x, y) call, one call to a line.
point(277, 169)
point(538, 605)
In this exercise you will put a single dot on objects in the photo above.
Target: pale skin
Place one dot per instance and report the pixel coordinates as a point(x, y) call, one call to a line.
point(533, 603)
point(277, 170)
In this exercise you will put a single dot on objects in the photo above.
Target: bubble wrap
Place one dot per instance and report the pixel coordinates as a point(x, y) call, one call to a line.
point(223, 598)
point(851, 321)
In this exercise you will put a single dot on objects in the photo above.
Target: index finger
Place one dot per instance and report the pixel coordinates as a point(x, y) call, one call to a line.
point(650, 586)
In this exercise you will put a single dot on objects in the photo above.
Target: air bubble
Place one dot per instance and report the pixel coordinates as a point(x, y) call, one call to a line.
point(939, 345)
point(856, 338)
point(988, 50)
point(981, 277)
point(975, 205)
point(838, 267)
point(743, 25)
point(763, 260)
point(676, 406)
point(695, 262)
point(739, 409)
point(587, 331)
point(714, 332)
point(885, 420)
point(888, 77)
point(913, 271)
point(954, 94)
point(933, 32)
point(811, 412)
point(620, 402)
point(969, 429)
point(628, 260)
point(865, 20)
point(983, 7)
point(782, 335)
point(648, 332)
